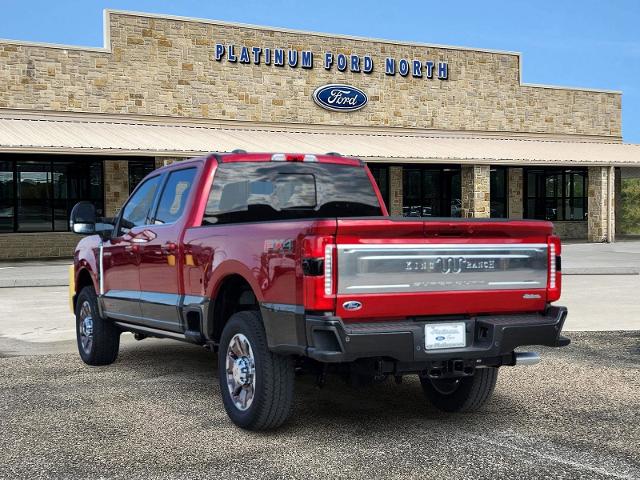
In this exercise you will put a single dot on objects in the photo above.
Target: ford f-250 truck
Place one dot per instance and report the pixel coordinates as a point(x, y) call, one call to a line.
point(291, 262)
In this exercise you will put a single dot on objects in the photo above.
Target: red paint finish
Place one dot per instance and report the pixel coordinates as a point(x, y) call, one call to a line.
point(269, 255)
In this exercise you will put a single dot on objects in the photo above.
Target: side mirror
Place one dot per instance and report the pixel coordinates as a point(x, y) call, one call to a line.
point(83, 218)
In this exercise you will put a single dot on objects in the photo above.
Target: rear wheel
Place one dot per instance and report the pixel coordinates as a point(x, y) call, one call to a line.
point(98, 338)
point(256, 385)
point(461, 394)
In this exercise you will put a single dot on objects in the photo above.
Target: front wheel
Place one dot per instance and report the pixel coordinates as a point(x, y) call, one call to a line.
point(256, 385)
point(461, 394)
point(98, 338)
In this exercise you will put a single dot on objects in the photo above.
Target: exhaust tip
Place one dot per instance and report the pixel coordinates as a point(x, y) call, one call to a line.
point(526, 358)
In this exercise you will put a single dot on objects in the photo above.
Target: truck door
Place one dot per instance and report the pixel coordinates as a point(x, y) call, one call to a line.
point(121, 254)
point(161, 256)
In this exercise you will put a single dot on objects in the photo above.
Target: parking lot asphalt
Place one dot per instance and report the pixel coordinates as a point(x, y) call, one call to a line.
point(157, 413)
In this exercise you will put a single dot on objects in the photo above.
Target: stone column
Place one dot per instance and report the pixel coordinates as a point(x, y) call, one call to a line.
point(475, 191)
point(515, 179)
point(600, 215)
point(116, 185)
point(395, 190)
point(618, 201)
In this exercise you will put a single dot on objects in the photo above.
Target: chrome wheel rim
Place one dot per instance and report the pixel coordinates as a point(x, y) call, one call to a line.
point(241, 372)
point(85, 327)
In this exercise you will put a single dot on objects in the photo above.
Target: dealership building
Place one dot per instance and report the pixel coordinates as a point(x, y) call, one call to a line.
point(446, 131)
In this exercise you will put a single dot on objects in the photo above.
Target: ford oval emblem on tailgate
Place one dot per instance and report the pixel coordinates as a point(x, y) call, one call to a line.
point(340, 98)
point(352, 305)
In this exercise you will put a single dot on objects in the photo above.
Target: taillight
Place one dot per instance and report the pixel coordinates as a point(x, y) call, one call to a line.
point(554, 280)
point(318, 269)
point(328, 269)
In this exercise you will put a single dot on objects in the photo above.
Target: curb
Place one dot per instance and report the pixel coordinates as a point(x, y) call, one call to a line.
point(601, 271)
point(52, 282)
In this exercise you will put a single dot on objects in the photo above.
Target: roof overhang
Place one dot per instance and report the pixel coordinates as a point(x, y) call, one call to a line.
point(28, 132)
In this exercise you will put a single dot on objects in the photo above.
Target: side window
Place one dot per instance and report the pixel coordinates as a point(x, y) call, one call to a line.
point(175, 195)
point(136, 210)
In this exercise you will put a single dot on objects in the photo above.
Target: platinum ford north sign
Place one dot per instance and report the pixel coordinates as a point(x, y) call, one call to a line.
point(340, 98)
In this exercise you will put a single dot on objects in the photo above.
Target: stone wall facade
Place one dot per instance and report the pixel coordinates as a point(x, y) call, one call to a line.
point(162, 66)
point(599, 212)
point(475, 182)
point(116, 185)
point(573, 230)
point(515, 188)
point(167, 67)
point(395, 191)
point(26, 246)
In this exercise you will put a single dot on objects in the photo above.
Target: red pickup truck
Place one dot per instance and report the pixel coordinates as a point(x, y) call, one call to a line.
point(287, 262)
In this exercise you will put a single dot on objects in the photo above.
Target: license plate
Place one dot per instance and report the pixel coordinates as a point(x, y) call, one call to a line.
point(445, 335)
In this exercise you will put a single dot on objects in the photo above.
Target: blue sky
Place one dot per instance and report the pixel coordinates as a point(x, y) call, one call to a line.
point(584, 43)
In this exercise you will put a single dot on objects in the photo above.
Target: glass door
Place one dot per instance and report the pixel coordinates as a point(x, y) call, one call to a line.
point(34, 197)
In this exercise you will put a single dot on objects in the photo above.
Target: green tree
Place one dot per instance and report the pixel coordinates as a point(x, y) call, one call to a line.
point(630, 211)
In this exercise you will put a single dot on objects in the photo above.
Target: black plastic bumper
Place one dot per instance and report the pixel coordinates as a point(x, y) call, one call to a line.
point(329, 339)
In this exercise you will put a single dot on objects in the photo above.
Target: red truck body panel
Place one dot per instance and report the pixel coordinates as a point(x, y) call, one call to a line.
point(268, 255)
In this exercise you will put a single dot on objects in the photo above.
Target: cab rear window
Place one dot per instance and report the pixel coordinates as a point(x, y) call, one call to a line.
point(245, 192)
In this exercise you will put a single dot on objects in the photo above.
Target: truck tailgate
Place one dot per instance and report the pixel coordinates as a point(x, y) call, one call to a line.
point(399, 268)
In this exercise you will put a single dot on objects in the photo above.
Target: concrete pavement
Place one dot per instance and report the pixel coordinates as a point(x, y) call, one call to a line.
point(157, 413)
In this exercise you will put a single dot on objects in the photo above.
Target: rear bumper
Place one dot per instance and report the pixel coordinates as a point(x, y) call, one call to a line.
point(329, 339)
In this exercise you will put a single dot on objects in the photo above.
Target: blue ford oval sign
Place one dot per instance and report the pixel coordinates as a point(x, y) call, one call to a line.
point(340, 98)
point(352, 305)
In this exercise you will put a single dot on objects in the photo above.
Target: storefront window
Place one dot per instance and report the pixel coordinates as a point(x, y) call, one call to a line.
point(556, 194)
point(138, 169)
point(38, 192)
point(431, 192)
point(6, 196)
point(498, 188)
point(381, 175)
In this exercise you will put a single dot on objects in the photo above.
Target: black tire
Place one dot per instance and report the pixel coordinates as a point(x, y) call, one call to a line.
point(274, 376)
point(464, 394)
point(105, 336)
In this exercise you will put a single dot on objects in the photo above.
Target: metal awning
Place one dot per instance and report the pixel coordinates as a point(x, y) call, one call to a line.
point(93, 135)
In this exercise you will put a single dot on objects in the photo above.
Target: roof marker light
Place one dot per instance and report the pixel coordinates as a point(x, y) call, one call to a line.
point(310, 158)
point(278, 157)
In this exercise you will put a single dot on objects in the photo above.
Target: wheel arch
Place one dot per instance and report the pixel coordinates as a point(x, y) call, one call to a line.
point(84, 278)
point(233, 293)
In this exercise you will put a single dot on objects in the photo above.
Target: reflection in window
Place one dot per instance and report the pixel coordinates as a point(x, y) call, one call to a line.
point(430, 191)
point(175, 195)
point(136, 211)
point(261, 192)
point(499, 193)
point(556, 194)
point(6, 197)
point(381, 175)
